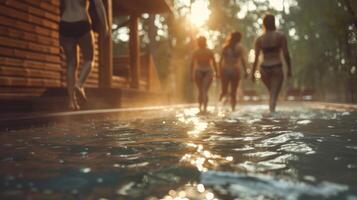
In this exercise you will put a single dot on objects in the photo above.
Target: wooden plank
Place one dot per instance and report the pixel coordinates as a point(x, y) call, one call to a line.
point(27, 36)
point(25, 72)
point(30, 64)
point(24, 26)
point(25, 17)
point(13, 92)
point(33, 82)
point(21, 90)
point(47, 5)
point(19, 5)
point(24, 45)
point(141, 6)
point(16, 53)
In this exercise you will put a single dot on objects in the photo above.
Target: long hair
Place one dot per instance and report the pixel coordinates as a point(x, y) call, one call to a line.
point(233, 38)
point(269, 22)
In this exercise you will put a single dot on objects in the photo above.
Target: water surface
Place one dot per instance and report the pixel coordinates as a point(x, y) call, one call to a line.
point(296, 153)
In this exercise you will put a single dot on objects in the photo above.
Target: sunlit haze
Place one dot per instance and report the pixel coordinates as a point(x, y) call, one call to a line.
point(199, 13)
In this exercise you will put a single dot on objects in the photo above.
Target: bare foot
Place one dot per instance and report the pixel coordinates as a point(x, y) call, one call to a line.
point(80, 92)
point(73, 104)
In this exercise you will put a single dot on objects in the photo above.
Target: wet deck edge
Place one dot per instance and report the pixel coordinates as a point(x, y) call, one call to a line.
point(23, 121)
point(30, 120)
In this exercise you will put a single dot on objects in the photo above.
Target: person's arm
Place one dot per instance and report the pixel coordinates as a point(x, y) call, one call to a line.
point(102, 15)
point(220, 63)
point(215, 65)
point(244, 61)
point(286, 55)
point(256, 59)
point(192, 66)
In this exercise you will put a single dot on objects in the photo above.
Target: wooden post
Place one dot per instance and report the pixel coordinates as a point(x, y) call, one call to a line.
point(134, 51)
point(149, 63)
point(106, 51)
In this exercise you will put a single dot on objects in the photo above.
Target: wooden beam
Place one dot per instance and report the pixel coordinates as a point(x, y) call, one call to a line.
point(106, 52)
point(148, 70)
point(134, 51)
point(126, 7)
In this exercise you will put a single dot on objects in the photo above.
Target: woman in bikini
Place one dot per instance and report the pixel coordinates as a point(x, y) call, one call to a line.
point(202, 72)
point(75, 30)
point(272, 43)
point(232, 58)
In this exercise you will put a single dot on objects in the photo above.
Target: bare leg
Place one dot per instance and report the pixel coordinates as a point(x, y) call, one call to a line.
point(224, 87)
point(266, 78)
point(71, 51)
point(234, 86)
point(87, 48)
point(199, 81)
point(207, 81)
point(275, 87)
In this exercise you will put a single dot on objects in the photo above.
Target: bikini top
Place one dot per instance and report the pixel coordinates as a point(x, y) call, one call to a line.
point(231, 53)
point(203, 57)
point(271, 49)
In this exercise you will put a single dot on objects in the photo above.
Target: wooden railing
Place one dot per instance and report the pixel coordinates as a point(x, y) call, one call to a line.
point(149, 79)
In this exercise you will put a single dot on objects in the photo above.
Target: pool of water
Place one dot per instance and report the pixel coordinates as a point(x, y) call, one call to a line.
point(296, 153)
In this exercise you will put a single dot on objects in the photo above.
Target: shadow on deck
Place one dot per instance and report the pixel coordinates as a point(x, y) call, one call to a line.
point(55, 100)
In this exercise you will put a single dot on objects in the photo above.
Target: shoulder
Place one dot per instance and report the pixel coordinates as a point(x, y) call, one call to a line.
point(280, 34)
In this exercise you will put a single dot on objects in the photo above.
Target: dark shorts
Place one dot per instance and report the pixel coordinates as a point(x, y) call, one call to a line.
point(74, 29)
point(230, 73)
point(272, 73)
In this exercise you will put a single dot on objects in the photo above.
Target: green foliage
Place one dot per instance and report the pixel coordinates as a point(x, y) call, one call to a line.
point(323, 47)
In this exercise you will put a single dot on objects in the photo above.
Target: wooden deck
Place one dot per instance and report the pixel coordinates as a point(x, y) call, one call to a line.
point(55, 100)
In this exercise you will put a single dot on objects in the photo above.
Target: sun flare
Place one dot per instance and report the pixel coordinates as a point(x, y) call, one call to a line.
point(199, 13)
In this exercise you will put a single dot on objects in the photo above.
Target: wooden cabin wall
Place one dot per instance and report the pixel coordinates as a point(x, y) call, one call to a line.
point(30, 56)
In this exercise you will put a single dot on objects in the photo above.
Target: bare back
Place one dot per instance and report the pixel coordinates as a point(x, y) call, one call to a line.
point(75, 10)
point(271, 44)
point(203, 57)
point(232, 57)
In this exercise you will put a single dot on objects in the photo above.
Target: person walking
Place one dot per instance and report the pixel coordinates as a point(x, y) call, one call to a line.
point(271, 44)
point(201, 71)
point(75, 30)
point(233, 58)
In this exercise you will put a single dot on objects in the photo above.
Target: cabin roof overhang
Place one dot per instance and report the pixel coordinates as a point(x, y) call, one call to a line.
point(138, 7)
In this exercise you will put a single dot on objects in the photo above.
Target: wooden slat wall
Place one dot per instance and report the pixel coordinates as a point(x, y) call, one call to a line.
point(30, 55)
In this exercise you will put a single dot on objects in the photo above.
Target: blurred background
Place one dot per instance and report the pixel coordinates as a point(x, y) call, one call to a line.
point(322, 42)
